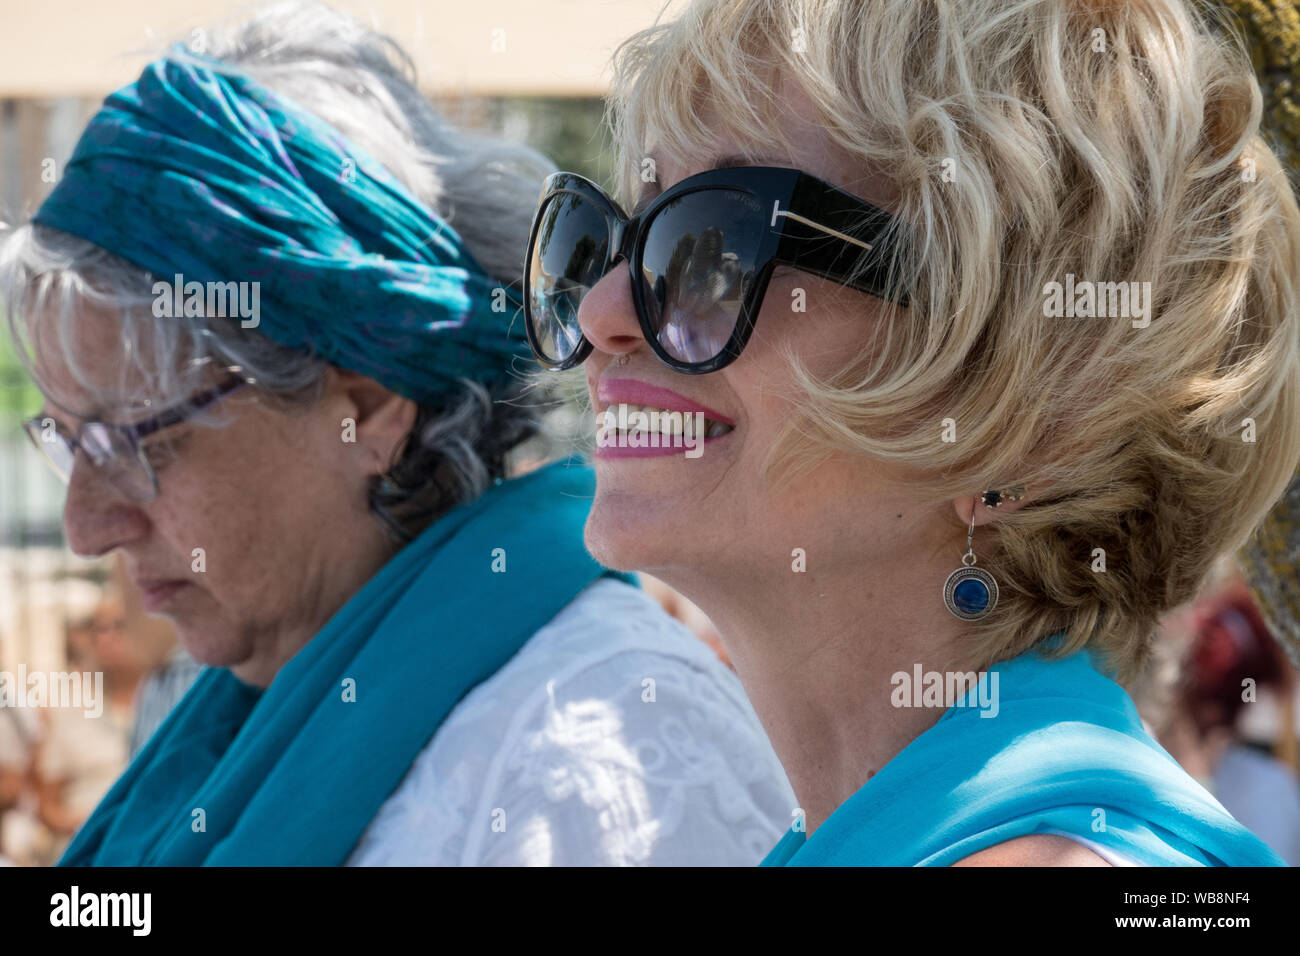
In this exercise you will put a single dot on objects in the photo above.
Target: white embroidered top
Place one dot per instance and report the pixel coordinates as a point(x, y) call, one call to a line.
point(613, 737)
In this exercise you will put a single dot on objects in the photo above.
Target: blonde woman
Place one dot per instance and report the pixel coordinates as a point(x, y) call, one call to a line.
point(980, 321)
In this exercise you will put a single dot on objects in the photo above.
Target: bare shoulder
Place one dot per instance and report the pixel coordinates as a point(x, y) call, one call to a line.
point(1039, 849)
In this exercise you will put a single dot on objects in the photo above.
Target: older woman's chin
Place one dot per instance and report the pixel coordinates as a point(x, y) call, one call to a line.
point(213, 651)
point(206, 640)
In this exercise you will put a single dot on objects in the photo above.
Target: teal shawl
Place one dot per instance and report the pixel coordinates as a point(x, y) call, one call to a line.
point(1066, 751)
point(293, 774)
point(200, 175)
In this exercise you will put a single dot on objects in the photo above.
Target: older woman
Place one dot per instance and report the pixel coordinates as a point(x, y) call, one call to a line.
point(412, 659)
point(990, 312)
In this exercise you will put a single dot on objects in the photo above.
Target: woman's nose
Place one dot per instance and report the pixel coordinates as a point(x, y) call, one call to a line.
point(96, 517)
point(607, 314)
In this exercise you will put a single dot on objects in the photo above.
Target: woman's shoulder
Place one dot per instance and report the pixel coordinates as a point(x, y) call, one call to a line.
point(1037, 849)
point(626, 618)
point(613, 642)
point(613, 736)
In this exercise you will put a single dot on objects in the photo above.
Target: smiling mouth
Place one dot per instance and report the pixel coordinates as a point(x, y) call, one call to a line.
point(626, 420)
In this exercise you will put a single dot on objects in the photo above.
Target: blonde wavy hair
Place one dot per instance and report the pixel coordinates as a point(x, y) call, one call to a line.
point(1024, 141)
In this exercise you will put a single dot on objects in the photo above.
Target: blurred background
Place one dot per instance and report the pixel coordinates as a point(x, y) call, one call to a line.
point(488, 65)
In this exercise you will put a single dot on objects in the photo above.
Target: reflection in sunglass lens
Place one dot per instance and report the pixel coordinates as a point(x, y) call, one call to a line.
point(568, 258)
point(698, 263)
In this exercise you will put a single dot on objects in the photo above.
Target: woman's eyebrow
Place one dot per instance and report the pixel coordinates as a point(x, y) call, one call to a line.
point(735, 160)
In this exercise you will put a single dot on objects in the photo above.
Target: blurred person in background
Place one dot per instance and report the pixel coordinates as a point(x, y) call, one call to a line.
point(82, 752)
point(1271, 565)
point(15, 758)
point(410, 657)
point(1233, 723)
point(159, 693)
point(17, 747)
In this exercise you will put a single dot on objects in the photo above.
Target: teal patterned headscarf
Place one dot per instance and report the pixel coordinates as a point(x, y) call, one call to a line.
point(196, 173)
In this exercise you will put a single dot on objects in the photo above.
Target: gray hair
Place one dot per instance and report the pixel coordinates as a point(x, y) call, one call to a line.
point(363, 84)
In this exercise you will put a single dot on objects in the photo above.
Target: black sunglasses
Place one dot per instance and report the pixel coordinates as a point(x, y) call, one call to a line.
point(700, 257)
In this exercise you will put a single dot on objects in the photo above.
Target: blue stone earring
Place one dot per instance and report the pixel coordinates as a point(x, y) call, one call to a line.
point(971, 593)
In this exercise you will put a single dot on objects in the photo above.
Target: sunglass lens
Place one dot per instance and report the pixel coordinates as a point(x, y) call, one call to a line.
point(568, 257)
point(698, 263)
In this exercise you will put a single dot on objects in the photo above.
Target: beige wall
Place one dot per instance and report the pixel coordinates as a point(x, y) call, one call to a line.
point(543, 47)
point(32, 132)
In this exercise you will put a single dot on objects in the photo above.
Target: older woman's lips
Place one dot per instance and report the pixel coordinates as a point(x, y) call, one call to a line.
point(156, 594)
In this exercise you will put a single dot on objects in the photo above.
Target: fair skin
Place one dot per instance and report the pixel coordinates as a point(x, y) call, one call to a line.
point(815, 650)
point(275, 498)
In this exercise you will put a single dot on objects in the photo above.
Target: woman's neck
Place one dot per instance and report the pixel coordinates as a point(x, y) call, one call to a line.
point(818, 653)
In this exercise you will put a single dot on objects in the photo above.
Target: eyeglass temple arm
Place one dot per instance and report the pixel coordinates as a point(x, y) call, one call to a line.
point(175, 416)
point(807, 244)
point(777, 211)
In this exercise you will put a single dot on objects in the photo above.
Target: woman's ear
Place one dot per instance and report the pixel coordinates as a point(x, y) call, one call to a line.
point(383, 418)
point(983, 513)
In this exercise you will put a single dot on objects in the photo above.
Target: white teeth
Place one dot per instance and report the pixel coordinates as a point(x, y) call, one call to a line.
point(649, 420)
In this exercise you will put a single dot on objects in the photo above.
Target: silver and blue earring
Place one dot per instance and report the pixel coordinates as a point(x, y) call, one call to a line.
point(971, 593)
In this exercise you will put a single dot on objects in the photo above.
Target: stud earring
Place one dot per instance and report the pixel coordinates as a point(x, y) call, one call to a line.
point(971, 593)
point(992, 499)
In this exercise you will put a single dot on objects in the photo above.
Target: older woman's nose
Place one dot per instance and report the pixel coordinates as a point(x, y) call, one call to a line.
point(96, 516)
point(607, 314)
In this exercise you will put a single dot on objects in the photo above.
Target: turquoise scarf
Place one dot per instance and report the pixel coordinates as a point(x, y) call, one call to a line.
point(293, 774)
point(1066, 751)
point(207, 175)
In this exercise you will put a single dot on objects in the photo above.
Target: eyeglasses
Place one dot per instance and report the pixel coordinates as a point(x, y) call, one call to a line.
point(700, 257)
point(116, 450)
